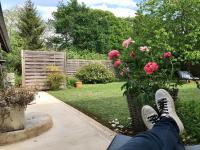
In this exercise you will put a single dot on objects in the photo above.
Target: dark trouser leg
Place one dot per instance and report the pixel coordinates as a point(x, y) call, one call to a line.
point(163, 136)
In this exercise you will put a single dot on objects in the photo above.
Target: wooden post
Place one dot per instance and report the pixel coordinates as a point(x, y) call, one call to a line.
point(23, 68)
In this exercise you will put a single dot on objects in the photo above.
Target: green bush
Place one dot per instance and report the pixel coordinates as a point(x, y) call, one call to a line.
point(55, 80)
point(189, 112)
point(18, 80)
point(71, 81)
point(95, 73)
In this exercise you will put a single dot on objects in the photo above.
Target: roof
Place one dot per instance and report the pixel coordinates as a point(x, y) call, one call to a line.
point(4, 40)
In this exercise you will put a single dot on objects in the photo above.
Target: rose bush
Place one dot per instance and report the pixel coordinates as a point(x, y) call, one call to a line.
point(145, 70)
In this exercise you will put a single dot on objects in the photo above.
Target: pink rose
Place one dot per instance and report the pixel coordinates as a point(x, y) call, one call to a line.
point(151, 67)
point(144, 48)
point(117, 63)
point(127, 42)
point(113, 54)
point(167, 55)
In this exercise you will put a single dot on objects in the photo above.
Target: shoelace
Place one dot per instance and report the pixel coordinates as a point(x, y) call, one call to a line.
point(153, 118)
point(162, 104)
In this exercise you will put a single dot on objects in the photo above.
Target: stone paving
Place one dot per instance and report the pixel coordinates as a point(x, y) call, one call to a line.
point(72, 130)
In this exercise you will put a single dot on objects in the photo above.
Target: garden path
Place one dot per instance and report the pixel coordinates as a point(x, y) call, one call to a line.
point(72, 130)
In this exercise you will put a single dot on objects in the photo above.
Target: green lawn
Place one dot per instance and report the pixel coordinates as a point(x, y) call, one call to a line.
point(104, 102)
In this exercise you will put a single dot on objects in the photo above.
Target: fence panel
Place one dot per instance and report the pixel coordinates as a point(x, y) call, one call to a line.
point(73, 65)
point(34, 66)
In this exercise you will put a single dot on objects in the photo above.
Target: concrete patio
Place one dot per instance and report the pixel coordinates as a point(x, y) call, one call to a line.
point(72, 130)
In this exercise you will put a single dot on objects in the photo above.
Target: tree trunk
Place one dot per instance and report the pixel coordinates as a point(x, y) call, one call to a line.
point(135, 113)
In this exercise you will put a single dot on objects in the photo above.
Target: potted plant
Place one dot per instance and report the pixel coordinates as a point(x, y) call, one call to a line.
point(78, 84)
point(13, 102)
point(145, 70)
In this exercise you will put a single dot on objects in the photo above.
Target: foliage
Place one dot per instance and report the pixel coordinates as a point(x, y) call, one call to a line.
point(18, 80)
point(171, 24)
point(13, 58)
point(11, 17)
point(95, 73)
point(1, 80)
point(55, 77)
point(30, 26)
point(71, 81)
point(16, 97)
point(85, 28)
point(73, 53)
point(145, 69)
point(189, 112)
point(55, 80)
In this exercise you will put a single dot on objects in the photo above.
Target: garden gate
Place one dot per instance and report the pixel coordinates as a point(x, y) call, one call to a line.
point(34, 66)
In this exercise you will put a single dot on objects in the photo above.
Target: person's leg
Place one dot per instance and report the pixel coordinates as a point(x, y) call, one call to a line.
point(168, 132)
point(163, 136)
point(165, 133)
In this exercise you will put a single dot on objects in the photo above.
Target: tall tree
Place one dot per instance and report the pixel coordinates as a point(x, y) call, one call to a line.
point(94, 30)
point(30, 26)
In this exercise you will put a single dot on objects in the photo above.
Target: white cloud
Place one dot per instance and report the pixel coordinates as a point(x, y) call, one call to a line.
point(121, 3)
point(120, 8)
point(46, 11)
point(118, 11)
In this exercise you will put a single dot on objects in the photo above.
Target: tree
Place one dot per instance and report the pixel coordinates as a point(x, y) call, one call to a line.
point(172, 25)
point(11, 17)
point(13, 58)
point(85, 28)
point(30, 26)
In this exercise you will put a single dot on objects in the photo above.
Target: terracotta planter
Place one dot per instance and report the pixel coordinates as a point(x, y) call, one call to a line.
point(78, 84)
point(13, 119)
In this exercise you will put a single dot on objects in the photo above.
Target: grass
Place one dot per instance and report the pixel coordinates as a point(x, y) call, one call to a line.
point(189, 92)
point(104, 102)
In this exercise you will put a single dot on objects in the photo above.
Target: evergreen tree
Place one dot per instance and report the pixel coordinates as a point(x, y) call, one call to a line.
point(30, 26)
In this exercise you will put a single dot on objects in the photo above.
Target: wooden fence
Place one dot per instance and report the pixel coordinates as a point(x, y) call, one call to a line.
point(34, 66)
point(72, 65)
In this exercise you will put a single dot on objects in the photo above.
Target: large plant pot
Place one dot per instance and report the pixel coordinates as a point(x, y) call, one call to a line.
point(135, 113)
point(12, 119)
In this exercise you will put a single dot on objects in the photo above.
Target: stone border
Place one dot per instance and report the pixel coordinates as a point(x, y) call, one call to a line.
point(36, 124)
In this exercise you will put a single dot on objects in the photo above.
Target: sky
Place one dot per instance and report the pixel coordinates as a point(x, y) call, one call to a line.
point(120, 8)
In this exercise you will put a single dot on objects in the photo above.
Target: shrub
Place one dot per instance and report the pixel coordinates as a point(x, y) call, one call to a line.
point(95, 73)
point(71, 81)
point(189, 112)
point(18, 81)
point(55, 77)
point(16, 97)
point(55, 80)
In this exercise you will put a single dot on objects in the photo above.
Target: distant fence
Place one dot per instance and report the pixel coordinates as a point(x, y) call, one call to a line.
point(73, 65)
point(34, 66)
point(35, 63)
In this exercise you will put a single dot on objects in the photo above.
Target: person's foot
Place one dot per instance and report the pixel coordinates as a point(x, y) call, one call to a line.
point(149, 116)
point(166, 107)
